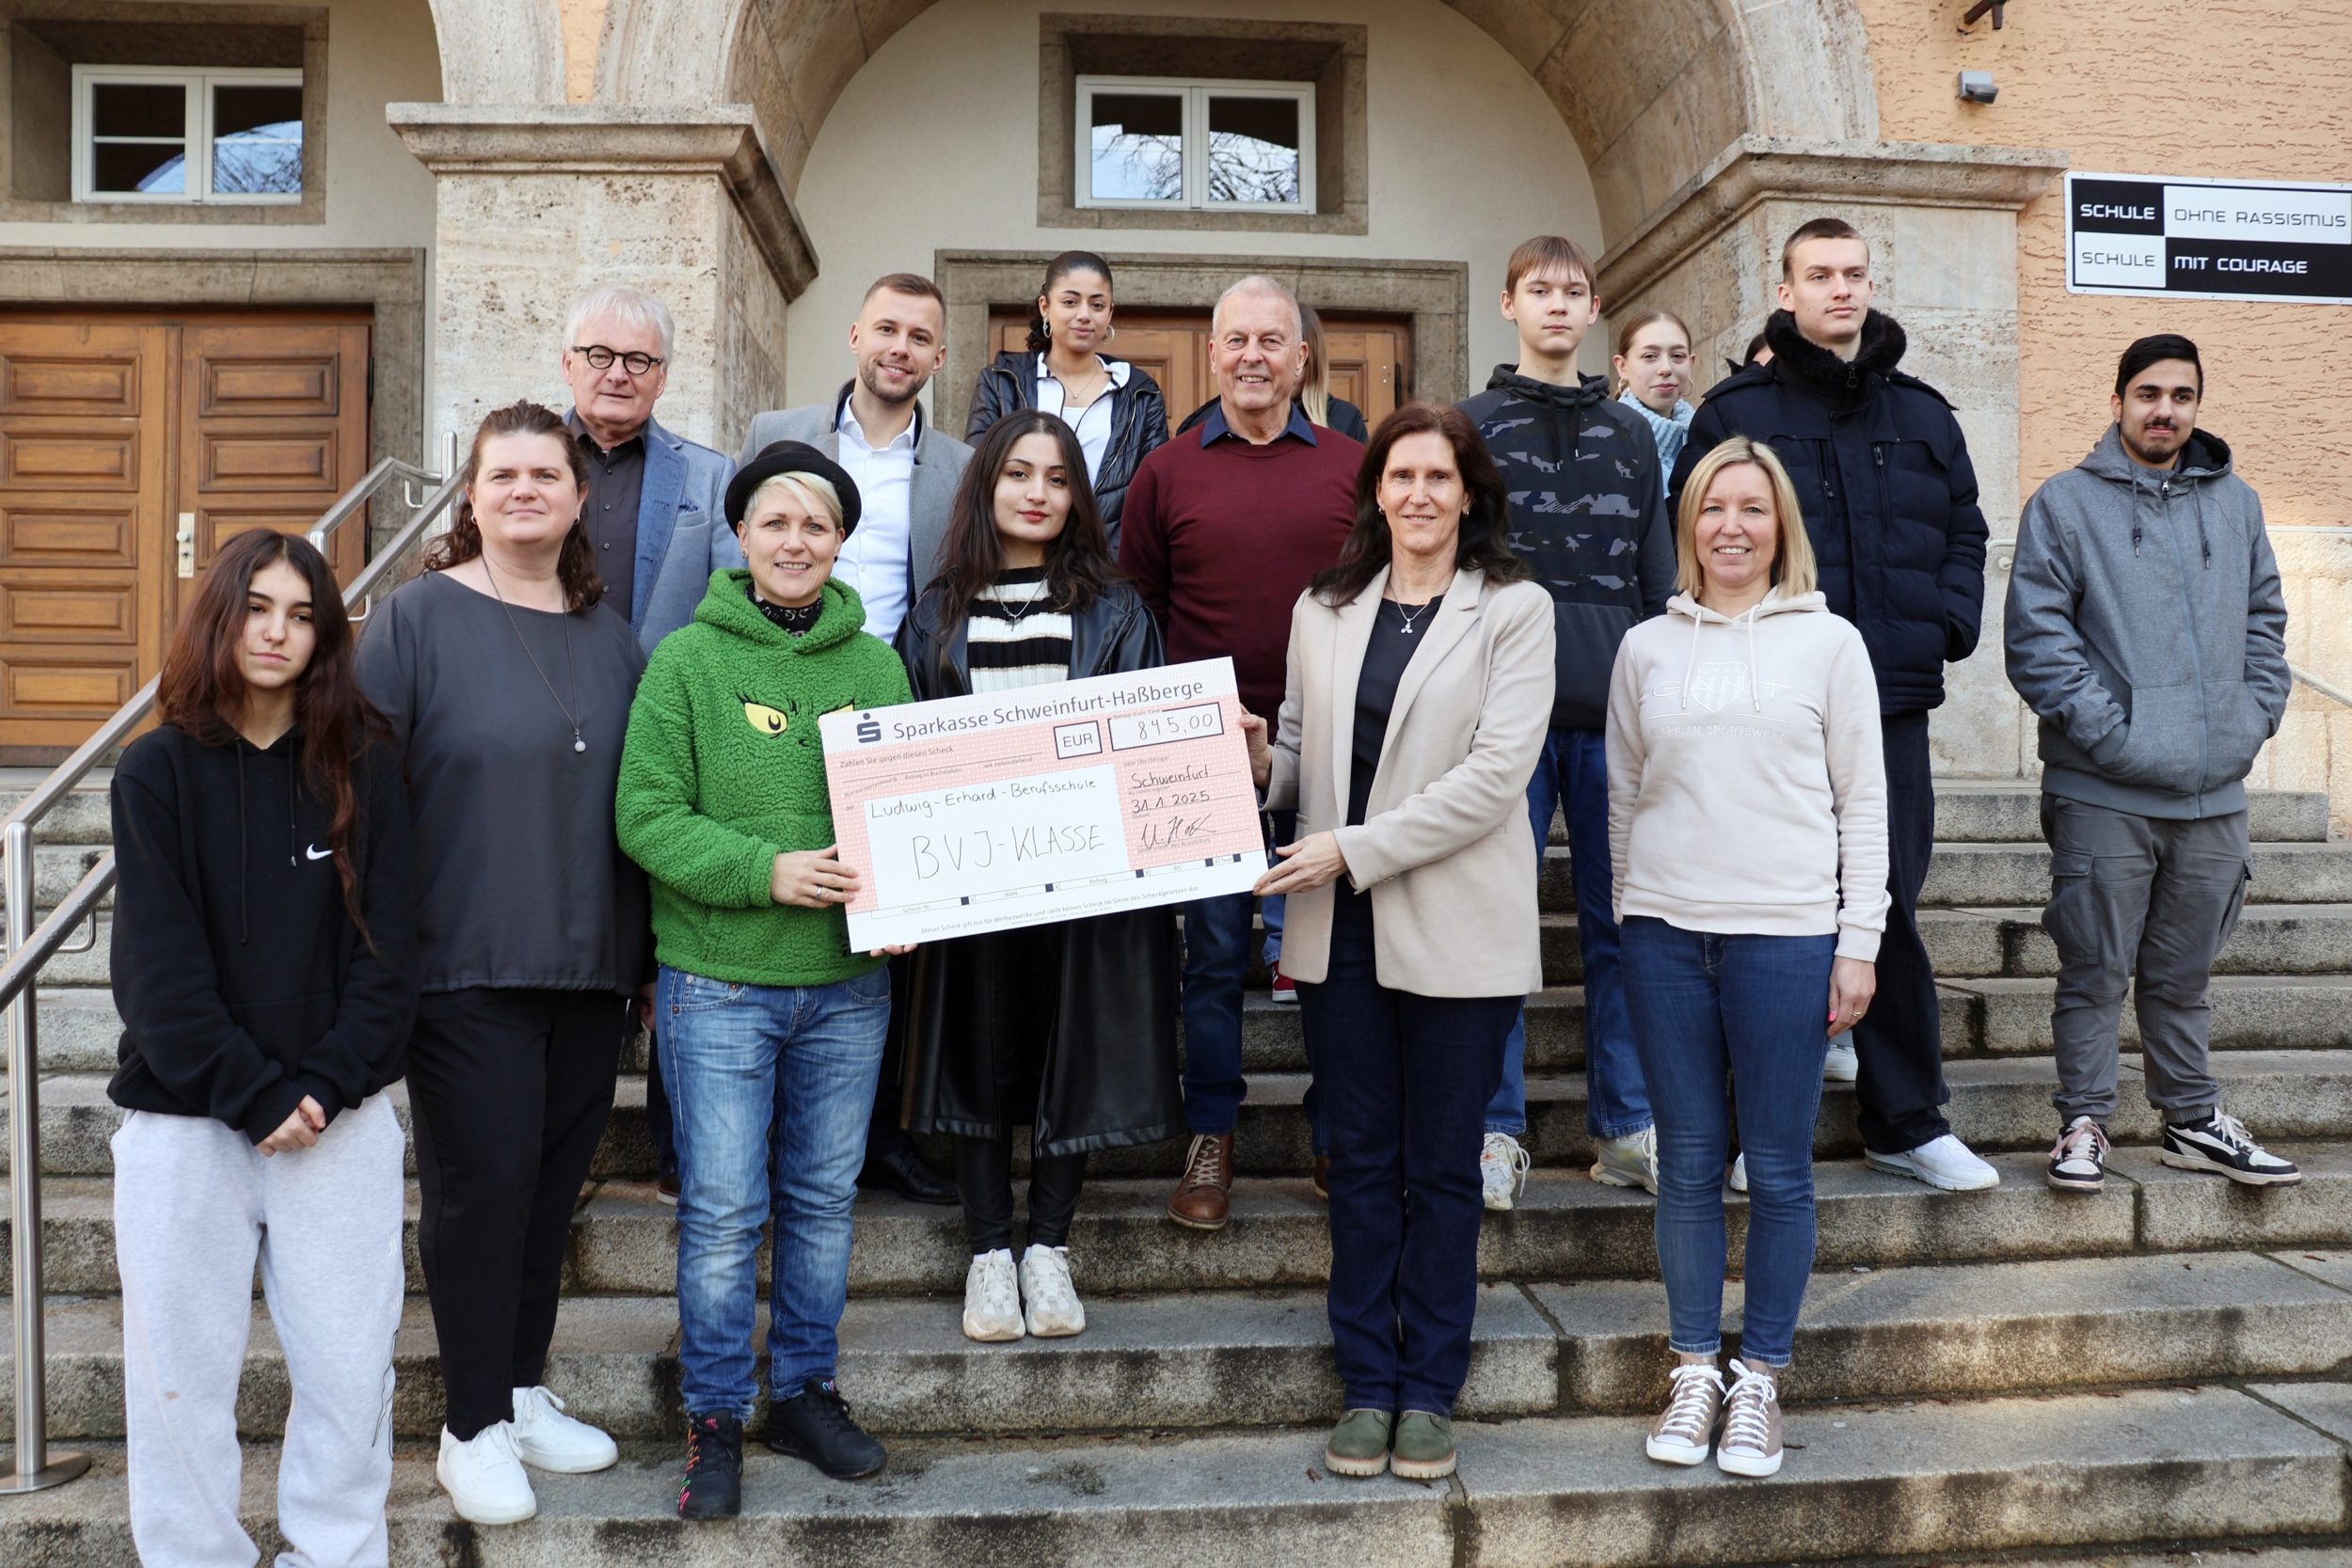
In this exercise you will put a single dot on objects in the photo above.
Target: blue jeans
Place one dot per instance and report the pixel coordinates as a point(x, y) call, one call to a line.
point(1575, 767)
point(1404, 1080)
point(1216, 960)
point(737, 1058)
point(1757, 1007)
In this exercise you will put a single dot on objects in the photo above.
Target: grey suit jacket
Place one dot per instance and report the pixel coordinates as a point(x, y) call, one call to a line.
point(939, 465)
point(682, 533)
point(1445, 846)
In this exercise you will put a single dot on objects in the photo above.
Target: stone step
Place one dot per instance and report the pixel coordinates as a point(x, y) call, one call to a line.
point(2271, 939)
point(81, 817)
point(1997, 1104)
point(1978, 874)
point(2001, 811)
point(624, 1240)
point(1234, 1359)
point(2193, 1463)
point(57, 868)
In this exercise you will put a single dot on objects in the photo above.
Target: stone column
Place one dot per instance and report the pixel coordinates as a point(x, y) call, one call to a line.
point(1942, 224)
point(539, 202)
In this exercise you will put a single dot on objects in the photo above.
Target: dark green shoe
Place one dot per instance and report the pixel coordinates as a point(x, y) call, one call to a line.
point(1359, 1443)
point(1425, 1445)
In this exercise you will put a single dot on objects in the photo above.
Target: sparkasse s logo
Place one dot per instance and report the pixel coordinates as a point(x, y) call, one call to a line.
point(868, 731)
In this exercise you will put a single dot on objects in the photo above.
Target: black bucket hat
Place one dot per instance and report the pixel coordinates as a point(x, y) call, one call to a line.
point(791, 457)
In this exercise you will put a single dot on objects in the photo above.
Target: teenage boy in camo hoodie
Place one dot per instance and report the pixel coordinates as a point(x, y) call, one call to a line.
point(2147, 630)
point(1588, 513)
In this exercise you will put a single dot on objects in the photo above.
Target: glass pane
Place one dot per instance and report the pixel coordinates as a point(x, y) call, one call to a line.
point(1138, 147)
point(264, 111)
point(1253, 149)
point(138, 109)
point(153, 169)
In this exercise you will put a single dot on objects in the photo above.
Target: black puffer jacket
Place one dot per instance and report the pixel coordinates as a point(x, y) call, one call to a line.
point(1083, 1051)
point(1138, 424)
point(1889, 495)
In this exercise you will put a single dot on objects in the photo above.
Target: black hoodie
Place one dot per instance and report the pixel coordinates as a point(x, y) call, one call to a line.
point(242, 982)
point(1588, 513)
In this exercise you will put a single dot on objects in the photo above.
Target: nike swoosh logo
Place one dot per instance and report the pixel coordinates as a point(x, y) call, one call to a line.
point(310, 853)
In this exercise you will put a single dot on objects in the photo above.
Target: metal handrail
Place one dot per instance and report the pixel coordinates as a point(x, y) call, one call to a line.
point(30, 946)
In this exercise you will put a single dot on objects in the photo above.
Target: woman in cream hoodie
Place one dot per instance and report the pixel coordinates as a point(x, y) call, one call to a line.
point(1747, 825)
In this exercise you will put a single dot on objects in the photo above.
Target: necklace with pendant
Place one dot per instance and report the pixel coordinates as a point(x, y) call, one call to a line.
point(1418, 612)
point(571, 677)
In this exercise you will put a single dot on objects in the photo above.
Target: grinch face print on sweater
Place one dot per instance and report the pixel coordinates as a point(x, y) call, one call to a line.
point(789, 718)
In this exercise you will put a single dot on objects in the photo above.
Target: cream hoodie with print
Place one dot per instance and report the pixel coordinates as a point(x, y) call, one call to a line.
point(1747, 790)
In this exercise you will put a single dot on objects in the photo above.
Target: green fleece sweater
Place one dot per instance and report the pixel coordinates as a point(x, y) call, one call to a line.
point(723, 772)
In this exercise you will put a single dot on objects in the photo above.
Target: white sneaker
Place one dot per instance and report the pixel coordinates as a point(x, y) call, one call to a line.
point(1502, 1170)
point(1054, 1310)
point(1738, 1179)
point(551, 1440)
point(1944, 1162)
point(992, 1299)
point(1629, 1162)
point(483, 1477)
point(1841, 1066)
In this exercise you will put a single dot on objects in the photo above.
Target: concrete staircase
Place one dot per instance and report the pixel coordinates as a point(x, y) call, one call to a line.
point(2012, 1372)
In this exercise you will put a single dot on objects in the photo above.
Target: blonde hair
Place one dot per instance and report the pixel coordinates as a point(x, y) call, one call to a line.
point(1635, 326)
point(1792, 557)
point(814, 490)
point(1315, 391)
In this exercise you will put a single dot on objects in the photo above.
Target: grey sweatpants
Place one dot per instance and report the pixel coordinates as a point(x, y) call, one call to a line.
point(195, 1203)
point(2152, 895)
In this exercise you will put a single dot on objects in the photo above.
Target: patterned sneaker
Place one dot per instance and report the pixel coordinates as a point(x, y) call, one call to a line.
point(1054, 1309)
point(992, 1299)
point(2223, 1144)
point(2078, 1161)
point(714, 1467)
point(1750, 1442)
point(1503, 1171)
point(1629, 1162)
point(1682, 1433)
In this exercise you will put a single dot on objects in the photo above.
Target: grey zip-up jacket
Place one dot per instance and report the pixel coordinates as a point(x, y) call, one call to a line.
point(2147, 629)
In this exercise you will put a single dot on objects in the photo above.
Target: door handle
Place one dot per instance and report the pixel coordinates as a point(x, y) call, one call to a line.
point(186, 541)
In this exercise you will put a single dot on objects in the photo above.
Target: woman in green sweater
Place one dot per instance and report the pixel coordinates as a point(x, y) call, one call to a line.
point(766, 1013)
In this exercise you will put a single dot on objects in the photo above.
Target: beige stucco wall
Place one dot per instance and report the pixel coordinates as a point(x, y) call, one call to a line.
point(1466, 158)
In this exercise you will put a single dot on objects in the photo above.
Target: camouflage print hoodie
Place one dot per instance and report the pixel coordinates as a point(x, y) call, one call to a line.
point(1588, 513)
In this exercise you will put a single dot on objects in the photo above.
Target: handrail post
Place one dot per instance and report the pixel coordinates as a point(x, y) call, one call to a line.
point(34, 1466)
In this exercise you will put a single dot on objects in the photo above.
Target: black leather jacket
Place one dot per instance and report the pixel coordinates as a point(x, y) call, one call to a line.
point(1138, 424)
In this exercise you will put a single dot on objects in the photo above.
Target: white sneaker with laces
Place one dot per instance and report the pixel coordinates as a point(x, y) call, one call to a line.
point(1683, 1432)
point(1750, 1442)
point(483, 1477)
point(1944, 1162)
point(992, 1299)
point(1738, 1179)
point(549, 1439)
point(1841, 1066)
point(1503, 1171)
point(2220, 1142)
point(2078, 1161)
point(1051, 1297)
point(1629, 1162)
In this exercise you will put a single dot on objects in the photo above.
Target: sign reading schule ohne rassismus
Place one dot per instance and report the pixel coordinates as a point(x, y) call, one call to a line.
point(2209, 238)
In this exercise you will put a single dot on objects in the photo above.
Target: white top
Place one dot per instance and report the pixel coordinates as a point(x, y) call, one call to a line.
point(1747, 790)
point(874, 559)
point(1093, 425)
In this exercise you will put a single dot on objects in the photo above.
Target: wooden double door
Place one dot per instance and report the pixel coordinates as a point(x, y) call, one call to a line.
point(132, 448)
point(1369, 360)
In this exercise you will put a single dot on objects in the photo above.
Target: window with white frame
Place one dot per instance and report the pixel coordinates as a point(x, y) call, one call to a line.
point(1147, 141)
point(147, 133)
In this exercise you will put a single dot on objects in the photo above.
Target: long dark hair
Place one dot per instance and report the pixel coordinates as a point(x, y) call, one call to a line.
point(1485, 544)
point(203, 683)
point(576, 567)
point(1056, 270)
point(1078, 564)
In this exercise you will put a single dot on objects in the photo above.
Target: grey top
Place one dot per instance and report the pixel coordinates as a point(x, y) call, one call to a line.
point(616, 486)
point(520, 880)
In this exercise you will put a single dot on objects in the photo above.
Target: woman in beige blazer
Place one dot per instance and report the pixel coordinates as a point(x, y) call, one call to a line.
point(1419, 686)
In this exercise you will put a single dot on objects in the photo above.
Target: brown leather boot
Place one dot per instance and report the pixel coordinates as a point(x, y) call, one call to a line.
point(1204, 1196)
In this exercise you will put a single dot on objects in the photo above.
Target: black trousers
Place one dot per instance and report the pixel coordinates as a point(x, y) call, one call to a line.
point(984, 1182)
point(508, 1093)
point(1900, 1043)
point(886, 1131)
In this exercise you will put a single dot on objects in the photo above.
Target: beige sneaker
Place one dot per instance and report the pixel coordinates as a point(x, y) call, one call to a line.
point(992, 1299)
point(1629, 1162)
point(1049, 1297)
point(1682, 1433)
point(1751, 1443)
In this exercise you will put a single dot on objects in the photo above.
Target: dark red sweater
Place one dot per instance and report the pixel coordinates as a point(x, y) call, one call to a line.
point(1222, 539)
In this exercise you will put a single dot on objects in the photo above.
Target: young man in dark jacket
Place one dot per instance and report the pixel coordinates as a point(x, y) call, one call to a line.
point(1889, 498)
point(1588, 513)
point(2147, 629)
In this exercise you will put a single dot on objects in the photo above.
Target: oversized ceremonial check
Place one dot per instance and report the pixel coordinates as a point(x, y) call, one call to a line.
point(980, 814)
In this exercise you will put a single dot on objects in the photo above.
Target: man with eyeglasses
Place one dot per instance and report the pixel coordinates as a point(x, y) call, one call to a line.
point(657, 512)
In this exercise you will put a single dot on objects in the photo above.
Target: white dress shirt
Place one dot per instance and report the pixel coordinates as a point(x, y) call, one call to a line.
point(1093, 425)
point(874, 559)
